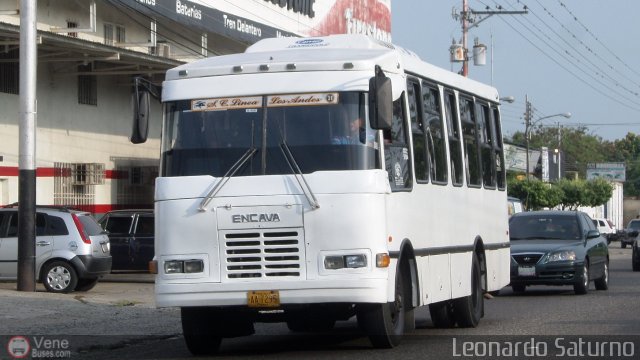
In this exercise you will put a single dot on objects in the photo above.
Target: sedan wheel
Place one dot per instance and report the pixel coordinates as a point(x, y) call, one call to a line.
point(59, 277)
point(603, 282)
point(581, 286)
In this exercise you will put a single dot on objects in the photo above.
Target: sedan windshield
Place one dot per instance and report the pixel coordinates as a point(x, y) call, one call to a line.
point(324, 131)
point(555, 227)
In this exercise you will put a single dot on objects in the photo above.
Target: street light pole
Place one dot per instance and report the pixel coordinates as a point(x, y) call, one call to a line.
point(527, 129)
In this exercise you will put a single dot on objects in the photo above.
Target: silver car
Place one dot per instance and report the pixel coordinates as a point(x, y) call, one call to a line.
point(72, 250)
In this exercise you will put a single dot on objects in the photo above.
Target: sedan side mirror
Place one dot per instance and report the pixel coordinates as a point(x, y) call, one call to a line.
point(592, 234)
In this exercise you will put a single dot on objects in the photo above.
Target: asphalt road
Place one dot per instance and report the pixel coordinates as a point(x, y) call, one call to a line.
point(117, 320)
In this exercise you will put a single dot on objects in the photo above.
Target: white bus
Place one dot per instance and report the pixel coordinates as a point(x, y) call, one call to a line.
point(313, 180)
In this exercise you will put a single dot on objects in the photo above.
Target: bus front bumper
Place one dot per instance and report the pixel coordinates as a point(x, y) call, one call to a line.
point(296, 292)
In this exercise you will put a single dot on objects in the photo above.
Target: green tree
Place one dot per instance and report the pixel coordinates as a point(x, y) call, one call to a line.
point(626, 150)
point(535, 194)
point(597, 192)
point(573, 191)
point(568, 194)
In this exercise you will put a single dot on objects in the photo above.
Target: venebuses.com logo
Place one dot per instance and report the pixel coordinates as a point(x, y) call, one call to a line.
point(21, 347)
point(18, 347)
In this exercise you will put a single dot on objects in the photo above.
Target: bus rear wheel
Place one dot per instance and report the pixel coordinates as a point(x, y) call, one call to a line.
point(384, 324)
point(469, 309)
point(442, 315)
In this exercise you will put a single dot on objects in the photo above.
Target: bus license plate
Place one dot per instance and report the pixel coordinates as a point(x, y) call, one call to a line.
point(263, 298)
point(526, 271)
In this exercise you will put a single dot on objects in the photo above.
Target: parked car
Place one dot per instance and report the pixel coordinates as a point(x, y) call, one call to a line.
point(132, 236)
point(72, 250)
point(630, 233)
point(606, 228)
point(557, 248)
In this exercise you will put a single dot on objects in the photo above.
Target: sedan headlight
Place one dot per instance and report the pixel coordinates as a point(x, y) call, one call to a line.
point(567, 255)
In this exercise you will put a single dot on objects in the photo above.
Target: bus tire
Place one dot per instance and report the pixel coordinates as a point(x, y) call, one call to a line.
point(198, 330)
point(384, 324)
point(468, 310)
point(442, 315)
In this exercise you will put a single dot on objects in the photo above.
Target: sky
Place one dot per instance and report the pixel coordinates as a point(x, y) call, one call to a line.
point(576, 56)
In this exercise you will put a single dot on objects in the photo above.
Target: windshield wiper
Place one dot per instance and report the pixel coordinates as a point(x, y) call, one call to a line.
point(228, 175)
point(299, 176)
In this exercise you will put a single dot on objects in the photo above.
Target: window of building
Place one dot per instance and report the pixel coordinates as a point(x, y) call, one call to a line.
point(10, 72)
point(114, 34)
point(87, 86)
point(72, 25)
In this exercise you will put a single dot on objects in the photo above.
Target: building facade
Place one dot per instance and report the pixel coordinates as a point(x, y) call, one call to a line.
point(89, 52)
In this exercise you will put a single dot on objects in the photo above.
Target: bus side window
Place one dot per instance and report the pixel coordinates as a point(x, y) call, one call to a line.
point(498, 148)
point(470, 136)
point(485, 139)
point(417, 130)
point(455, 146)
point(397, 150)
point(434, 131)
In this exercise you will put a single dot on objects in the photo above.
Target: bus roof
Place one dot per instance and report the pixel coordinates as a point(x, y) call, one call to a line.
point(329, 53)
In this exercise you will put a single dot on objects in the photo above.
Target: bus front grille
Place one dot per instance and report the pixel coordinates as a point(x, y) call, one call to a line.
point(263, 254)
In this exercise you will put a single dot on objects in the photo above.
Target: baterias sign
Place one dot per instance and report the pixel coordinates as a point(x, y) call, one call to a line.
point(249, 21)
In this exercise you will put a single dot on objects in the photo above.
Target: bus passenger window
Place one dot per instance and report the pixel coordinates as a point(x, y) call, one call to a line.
point(397, 152)
point(498, 148)
point(417, 130)
point(486, 147)
point(470, 136)
point(434, 130)
point(455, 149)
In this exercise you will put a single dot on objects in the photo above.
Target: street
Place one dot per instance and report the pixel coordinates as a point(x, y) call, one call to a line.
point(121, 322)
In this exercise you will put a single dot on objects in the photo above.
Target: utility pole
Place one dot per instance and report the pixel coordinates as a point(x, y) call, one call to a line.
point(27, 148)
point(527, 124)
point(465, 31)
point(468, 16)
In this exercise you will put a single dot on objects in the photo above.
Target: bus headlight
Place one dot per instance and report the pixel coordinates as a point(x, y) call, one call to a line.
point(173, 267)
point(355, 261)
point(345, 261)
point(334, 262)
point(183, 266)
point(193, 266)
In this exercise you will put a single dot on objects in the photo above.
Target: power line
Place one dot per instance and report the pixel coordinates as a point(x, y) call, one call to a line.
point(576, 38)
point(596, 38)
point(539, 31)
point(516, 30)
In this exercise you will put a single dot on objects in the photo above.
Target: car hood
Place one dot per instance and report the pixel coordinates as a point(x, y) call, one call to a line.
point(543, 246)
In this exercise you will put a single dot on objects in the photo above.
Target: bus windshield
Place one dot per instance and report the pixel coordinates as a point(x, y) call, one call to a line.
point(324, 131)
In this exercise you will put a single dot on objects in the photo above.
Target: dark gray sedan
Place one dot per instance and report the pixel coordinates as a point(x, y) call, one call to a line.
point(557, 248)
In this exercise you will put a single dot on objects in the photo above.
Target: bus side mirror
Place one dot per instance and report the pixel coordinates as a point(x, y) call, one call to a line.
point(380, 101)
point(141, 105)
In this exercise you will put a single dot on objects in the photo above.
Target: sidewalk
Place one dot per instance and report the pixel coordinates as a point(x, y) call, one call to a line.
point(120, 304)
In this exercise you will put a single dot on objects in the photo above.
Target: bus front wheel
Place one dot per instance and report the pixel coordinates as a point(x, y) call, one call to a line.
point(384, 324)
point(197, 328)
